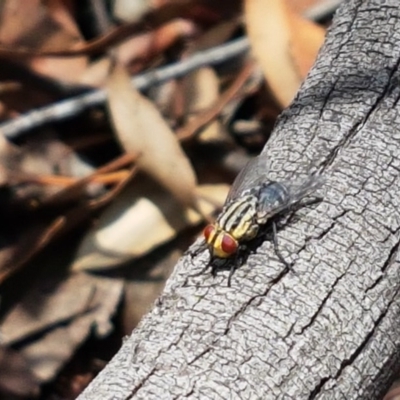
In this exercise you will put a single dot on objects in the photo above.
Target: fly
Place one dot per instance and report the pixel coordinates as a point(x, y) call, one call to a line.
point(252, 202)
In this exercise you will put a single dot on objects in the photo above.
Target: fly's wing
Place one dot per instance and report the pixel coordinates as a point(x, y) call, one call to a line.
point(278, 196)
point(254, 173)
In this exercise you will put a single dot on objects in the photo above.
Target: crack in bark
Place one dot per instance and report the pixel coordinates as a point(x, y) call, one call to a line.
point(203, 353)
point(321, 306)
point(327, 98)
point(324, 232)
point(348, 361)
point(154, 369)
point(384, 93)
point(328, 229)
point(141, 383)
point(242, 309)
point(389, 261)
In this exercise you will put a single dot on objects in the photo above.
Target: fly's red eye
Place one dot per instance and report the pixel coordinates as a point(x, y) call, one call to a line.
point(228, 244)
point(208, 230)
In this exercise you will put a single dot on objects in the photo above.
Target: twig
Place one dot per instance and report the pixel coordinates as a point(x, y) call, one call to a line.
point(70, 107)
point(208, 115)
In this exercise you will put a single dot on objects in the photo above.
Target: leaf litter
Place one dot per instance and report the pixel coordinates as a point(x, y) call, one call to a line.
point(97, 210)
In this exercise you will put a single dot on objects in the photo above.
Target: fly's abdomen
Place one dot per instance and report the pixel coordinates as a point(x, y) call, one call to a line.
point(272, 197)
point(275, 197)
point(238, 218)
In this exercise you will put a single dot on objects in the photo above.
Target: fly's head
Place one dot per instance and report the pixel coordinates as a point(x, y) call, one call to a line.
point(220, 243)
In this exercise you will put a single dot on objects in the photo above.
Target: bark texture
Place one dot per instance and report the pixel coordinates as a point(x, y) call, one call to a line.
point(330, 330)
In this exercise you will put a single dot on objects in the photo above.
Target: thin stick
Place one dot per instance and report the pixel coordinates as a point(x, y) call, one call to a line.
point(207, 116)
point(70, 107)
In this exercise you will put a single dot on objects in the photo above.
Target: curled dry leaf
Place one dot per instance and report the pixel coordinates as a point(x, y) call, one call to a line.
point(135, 224)
point(272, 30)
point(141, 130)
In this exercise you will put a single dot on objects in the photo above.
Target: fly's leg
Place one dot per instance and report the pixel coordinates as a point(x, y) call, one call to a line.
point(238, 260)
point(276, 248)
point(200, 248)
point(232, 270)
point(311, 201)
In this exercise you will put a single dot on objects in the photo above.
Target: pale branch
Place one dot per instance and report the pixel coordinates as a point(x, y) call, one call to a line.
point(329, 328)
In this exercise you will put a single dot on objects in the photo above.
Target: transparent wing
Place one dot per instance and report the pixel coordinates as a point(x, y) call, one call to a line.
point(278, 196)
point(253, 174)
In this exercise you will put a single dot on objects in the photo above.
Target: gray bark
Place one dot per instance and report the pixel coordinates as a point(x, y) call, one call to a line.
point(330, 330)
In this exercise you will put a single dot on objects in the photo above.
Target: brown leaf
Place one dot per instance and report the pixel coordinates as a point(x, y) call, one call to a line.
point(271, 32)
point(394, 392)
point(15, 377)
point(139, 50)
point(306, 38)
point(204, 117)
point(131, 11)
point(165, 12)
point(49, 303)
point(141, 129)
point(38, 27)
point(146, 46)
point(301, 7)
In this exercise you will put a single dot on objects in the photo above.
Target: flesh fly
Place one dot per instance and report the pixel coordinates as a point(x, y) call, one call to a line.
point(252, 202)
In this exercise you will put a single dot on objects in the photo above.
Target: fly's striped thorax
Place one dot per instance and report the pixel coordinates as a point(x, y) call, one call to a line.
point(239, 218)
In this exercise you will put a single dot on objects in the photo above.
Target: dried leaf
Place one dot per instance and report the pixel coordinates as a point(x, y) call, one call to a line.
point(131, 11)
point(146, 46)
point(393, 393)
point(271, 35)
point(202, 92)
point(204, 117)
point(38, 27)
point(301, 7)
point(133, 225)
point(307, 38)
point(139, 50)
point(65, 314)
point(16, 379)
point(141, 129)
point(216, 35)
point(52, 302)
